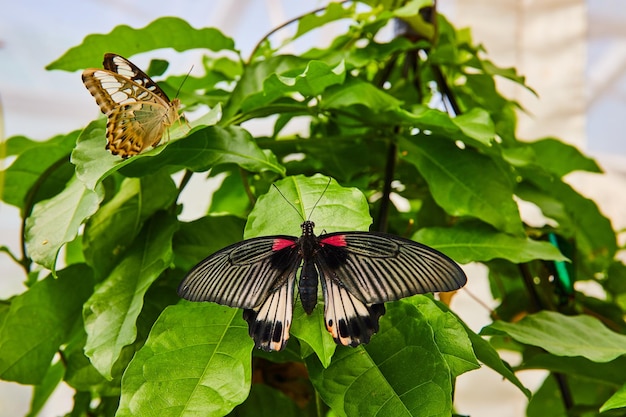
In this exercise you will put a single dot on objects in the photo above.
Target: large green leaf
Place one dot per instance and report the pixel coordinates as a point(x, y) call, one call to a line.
point(477, 242)
point(464, 182)
point(332, 209)
point(565, 335)
point(39, 321)
point(401, 372)
point(165, 32)
point(196, 362)
point(55, 222)
point(111, 312)
point(111, 229)
point(205, 148)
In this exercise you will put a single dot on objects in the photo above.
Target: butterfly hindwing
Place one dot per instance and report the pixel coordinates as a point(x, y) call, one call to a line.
point(137, 109)
point(269, 324)
point(349, 321)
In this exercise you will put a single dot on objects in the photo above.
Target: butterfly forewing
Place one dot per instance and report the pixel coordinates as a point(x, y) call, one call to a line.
point(138, 110)
point(244, 274)
point(125, 68)
point(378, 267)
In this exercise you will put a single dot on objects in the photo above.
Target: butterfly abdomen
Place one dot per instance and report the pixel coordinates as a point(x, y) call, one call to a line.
point(307, 287)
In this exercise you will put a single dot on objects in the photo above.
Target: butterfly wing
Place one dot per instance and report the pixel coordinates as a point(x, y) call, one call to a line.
point(125, 68)
point(361, 270)
point(349, 320)
point(138, 110)
point(133, 127)
point(257, 275)
point(378, 267)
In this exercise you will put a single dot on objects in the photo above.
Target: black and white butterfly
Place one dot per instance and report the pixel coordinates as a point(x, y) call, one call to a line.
point(138, 110)
point(359, 271)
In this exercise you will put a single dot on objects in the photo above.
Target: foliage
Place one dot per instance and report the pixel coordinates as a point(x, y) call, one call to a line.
point(414, 120)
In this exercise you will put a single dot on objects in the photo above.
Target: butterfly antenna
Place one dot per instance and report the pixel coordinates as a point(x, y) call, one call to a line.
point(288, 202)
point(183, 82)
point(320, 197)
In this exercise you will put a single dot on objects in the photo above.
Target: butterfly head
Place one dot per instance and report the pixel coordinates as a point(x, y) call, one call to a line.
point(307, 228)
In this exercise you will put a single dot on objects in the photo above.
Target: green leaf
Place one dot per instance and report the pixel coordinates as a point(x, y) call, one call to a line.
point(565, 335)
point(577, 216)
point(311, 329)
point(476, 124)
point(464, 182)
point(477, 242)
point(332, 12)
point(33, 160)
point(547, 401)
point(400, 372)
point(205, 148)
point(254, 75)
point(357, 92)
point(337, 208)
point(617, 400)
point(231, 197)
point(165, 32)
point(310, 81)
point(603, 373)
point(488, 355)
point(551, 155)
point(111, 229)
point(196, 361)
point(56, 221)
point(450, 335)
point(39, 321)
point(196, 240)
point(111, 313)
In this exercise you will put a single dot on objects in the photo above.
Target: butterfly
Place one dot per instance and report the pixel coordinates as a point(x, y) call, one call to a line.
point(138, 110)
point(359, 271)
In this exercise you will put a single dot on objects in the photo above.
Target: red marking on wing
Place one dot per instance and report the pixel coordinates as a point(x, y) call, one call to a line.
point(282, 244)
point(337, 240)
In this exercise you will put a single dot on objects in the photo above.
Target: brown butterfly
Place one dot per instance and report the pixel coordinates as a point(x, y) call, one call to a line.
point(138, 110)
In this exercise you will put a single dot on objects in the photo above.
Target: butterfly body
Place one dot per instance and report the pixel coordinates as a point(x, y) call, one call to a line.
point(138, 110)
point(359, 271)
